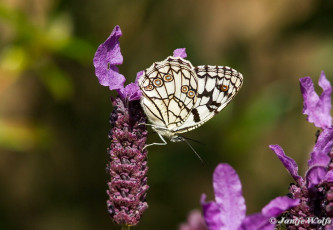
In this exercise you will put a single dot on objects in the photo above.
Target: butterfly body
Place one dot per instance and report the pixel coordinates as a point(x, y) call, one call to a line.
point(178, 97)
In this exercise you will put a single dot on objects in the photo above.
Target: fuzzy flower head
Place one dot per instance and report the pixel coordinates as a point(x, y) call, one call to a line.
point(228, 211)
point(315, 189)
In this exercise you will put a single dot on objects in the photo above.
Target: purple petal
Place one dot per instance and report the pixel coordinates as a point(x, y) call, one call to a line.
point(106, 58)
point(228, 196)
point(113, 79)
point(131, 92)
point(288, 163)
point(278, 206)
point(181, 52)
point(315, 175)
point(320, 159)
point(195, 221)
point(212, 214)
point(273, 209)
point(329, 227)
point(317, 108)
point(329, 176)
point(322, 148)
point(325, 97)
point(257, 222)
point(268, 227)
point(138, 75)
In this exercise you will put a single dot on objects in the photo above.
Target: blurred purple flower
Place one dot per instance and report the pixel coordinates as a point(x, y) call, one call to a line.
point(315, 190)
point(227, 212)
point(317, 108)
point(195, 221)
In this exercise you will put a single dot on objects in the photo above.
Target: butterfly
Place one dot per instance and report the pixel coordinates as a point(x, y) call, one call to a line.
point(177, 97)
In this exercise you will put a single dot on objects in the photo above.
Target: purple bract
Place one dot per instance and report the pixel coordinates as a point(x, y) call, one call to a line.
point(228, 211)
point(317, 108)
point(106, 59)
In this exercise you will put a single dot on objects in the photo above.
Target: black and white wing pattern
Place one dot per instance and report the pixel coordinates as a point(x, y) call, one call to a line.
point(217, 85)
point(178, 97)
point(169, 91)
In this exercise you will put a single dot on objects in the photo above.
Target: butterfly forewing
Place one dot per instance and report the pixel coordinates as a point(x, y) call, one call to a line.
point(217, 85)
point(169, 92)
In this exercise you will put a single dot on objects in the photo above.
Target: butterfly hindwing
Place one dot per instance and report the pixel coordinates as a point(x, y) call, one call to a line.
point(217, 85)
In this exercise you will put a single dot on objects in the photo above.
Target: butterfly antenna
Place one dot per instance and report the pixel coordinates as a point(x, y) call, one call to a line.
point(196, 141)
point(202, 162)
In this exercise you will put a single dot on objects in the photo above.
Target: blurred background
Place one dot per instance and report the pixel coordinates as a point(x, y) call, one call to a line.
point(54, 114)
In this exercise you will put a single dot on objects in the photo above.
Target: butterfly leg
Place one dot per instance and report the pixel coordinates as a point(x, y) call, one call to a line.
point(164, 142)
point(143, 124)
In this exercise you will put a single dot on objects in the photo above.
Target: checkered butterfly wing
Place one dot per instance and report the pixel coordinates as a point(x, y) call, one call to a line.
point(217, 85)
point(169, 91)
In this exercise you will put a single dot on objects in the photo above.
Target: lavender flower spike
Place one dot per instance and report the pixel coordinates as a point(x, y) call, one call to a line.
point(228, 210)
point(127, 166)
point(128, 163)
point(317, 108)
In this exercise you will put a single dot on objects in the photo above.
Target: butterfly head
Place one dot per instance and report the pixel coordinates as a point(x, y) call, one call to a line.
point(177, 139)
point(167, 133)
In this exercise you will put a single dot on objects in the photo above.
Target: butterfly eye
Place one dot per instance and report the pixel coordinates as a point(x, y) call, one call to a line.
point(190, 94)
point(158, 82)
point(184, 89)
point(224, 88)
point(168, 77)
